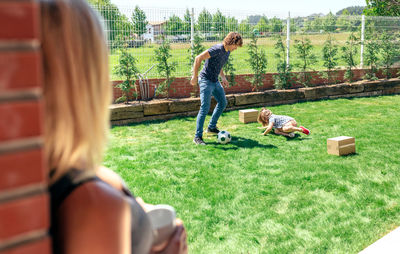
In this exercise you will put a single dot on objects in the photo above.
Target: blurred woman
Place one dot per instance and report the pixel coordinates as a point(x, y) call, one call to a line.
point(91, 209)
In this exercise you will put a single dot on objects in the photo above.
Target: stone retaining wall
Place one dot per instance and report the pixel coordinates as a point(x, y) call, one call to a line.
point(163, 109)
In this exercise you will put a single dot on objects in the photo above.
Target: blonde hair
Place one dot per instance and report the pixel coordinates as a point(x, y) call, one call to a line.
point(76, 88)
point(263, 116)
point(233, 38)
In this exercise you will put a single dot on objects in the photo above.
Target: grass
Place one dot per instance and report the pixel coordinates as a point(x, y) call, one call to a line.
point(180, 55)
point(270, 194)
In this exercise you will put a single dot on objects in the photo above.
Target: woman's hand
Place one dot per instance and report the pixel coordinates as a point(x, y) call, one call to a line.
point(177, 244)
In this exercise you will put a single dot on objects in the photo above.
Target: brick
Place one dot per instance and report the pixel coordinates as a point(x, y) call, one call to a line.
point(16, 173)
point(19, 20)
point(20, 70)
point(20, 120)
point(24, 215)
point(42, 246)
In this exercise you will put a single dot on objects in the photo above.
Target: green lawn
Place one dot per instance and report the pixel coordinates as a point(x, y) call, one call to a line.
point(180, 55)
point(270, 194)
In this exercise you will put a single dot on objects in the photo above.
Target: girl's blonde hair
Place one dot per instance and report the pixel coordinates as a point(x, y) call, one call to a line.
point(263, 116)
point(76, 88)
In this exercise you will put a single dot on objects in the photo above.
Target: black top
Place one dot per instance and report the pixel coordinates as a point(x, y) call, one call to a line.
point(213, 65)
point(142, 234)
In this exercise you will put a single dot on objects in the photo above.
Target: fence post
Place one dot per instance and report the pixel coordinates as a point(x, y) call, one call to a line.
point(362, 41)
point(288, 41)
point(192, 31)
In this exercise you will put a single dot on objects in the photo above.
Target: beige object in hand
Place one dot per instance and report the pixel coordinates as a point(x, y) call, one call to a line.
point(162, 218)
point(341, 145)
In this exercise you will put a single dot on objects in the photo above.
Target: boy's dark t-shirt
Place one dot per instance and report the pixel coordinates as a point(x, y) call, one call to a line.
point(214, 64)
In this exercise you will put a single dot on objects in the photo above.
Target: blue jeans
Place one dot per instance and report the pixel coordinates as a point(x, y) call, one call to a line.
point(208, 88)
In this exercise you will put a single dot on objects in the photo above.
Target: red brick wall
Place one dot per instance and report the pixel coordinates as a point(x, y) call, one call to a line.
point(181, 87)
point(24, 202)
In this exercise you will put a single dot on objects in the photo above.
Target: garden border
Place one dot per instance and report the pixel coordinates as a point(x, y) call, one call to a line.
point(164, 109)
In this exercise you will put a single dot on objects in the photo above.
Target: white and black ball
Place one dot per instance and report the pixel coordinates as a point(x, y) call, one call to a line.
point(224, 137)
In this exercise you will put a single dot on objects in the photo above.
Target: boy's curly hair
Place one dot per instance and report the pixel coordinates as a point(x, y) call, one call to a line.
point(233, 38)
point(263, 116)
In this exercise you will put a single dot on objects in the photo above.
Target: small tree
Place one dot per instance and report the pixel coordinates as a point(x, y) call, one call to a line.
point(196, 49)
point(193, 52)
point(372, 57)
point(229, 70)
point(304, 49)
point(283, 79)
point(389, 52)
point(164, 67)
point(258, 63)
point(349, 53)
point(126, 68)
point(330, 59)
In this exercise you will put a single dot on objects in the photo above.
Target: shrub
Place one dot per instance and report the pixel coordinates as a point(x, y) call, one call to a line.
point(330, 60)
point(304, 49)
point(229, 71)
point(258, 63)
point(126, 68)
point(349, 53)
point(389, 52)
point(282, 80)
point(164, 67)
point(371, 57)
point(197, 49)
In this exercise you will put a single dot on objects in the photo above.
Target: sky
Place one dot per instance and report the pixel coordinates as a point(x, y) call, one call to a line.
point(270, 8)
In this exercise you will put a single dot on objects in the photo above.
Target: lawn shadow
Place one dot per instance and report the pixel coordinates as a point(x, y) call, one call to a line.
point(240, 142)
point(297, 137)
point(350, 155)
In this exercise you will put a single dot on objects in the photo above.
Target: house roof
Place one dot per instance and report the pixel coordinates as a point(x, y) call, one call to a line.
point(155, 23)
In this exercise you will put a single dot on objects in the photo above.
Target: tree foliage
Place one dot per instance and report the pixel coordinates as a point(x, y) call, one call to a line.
point(329, 22)
point(174, 25)
point(139, 21)
point(262, 25)
point(232, 24)
point(205, 21)
point(187, 23)
point(352, 10)
point(117, 24)
point(276, 25)
point(382, 8)
point(219, 24)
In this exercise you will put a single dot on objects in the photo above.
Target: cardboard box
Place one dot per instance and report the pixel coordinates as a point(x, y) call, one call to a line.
point(341, 145)
point(248, 115)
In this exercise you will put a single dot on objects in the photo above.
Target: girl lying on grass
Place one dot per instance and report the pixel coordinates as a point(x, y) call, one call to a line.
point(283, 125)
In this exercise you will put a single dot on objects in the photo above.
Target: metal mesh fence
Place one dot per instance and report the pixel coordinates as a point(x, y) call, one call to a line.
point(143, 30)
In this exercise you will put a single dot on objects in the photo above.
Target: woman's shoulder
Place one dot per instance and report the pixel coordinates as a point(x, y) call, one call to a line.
point(95, 217)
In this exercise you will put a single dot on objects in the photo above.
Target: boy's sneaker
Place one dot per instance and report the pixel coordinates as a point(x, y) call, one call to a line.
point(198, 141)
point(212, 131)
point(305, 130)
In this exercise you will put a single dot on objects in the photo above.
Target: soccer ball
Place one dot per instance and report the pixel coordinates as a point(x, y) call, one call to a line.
point(224, 137)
